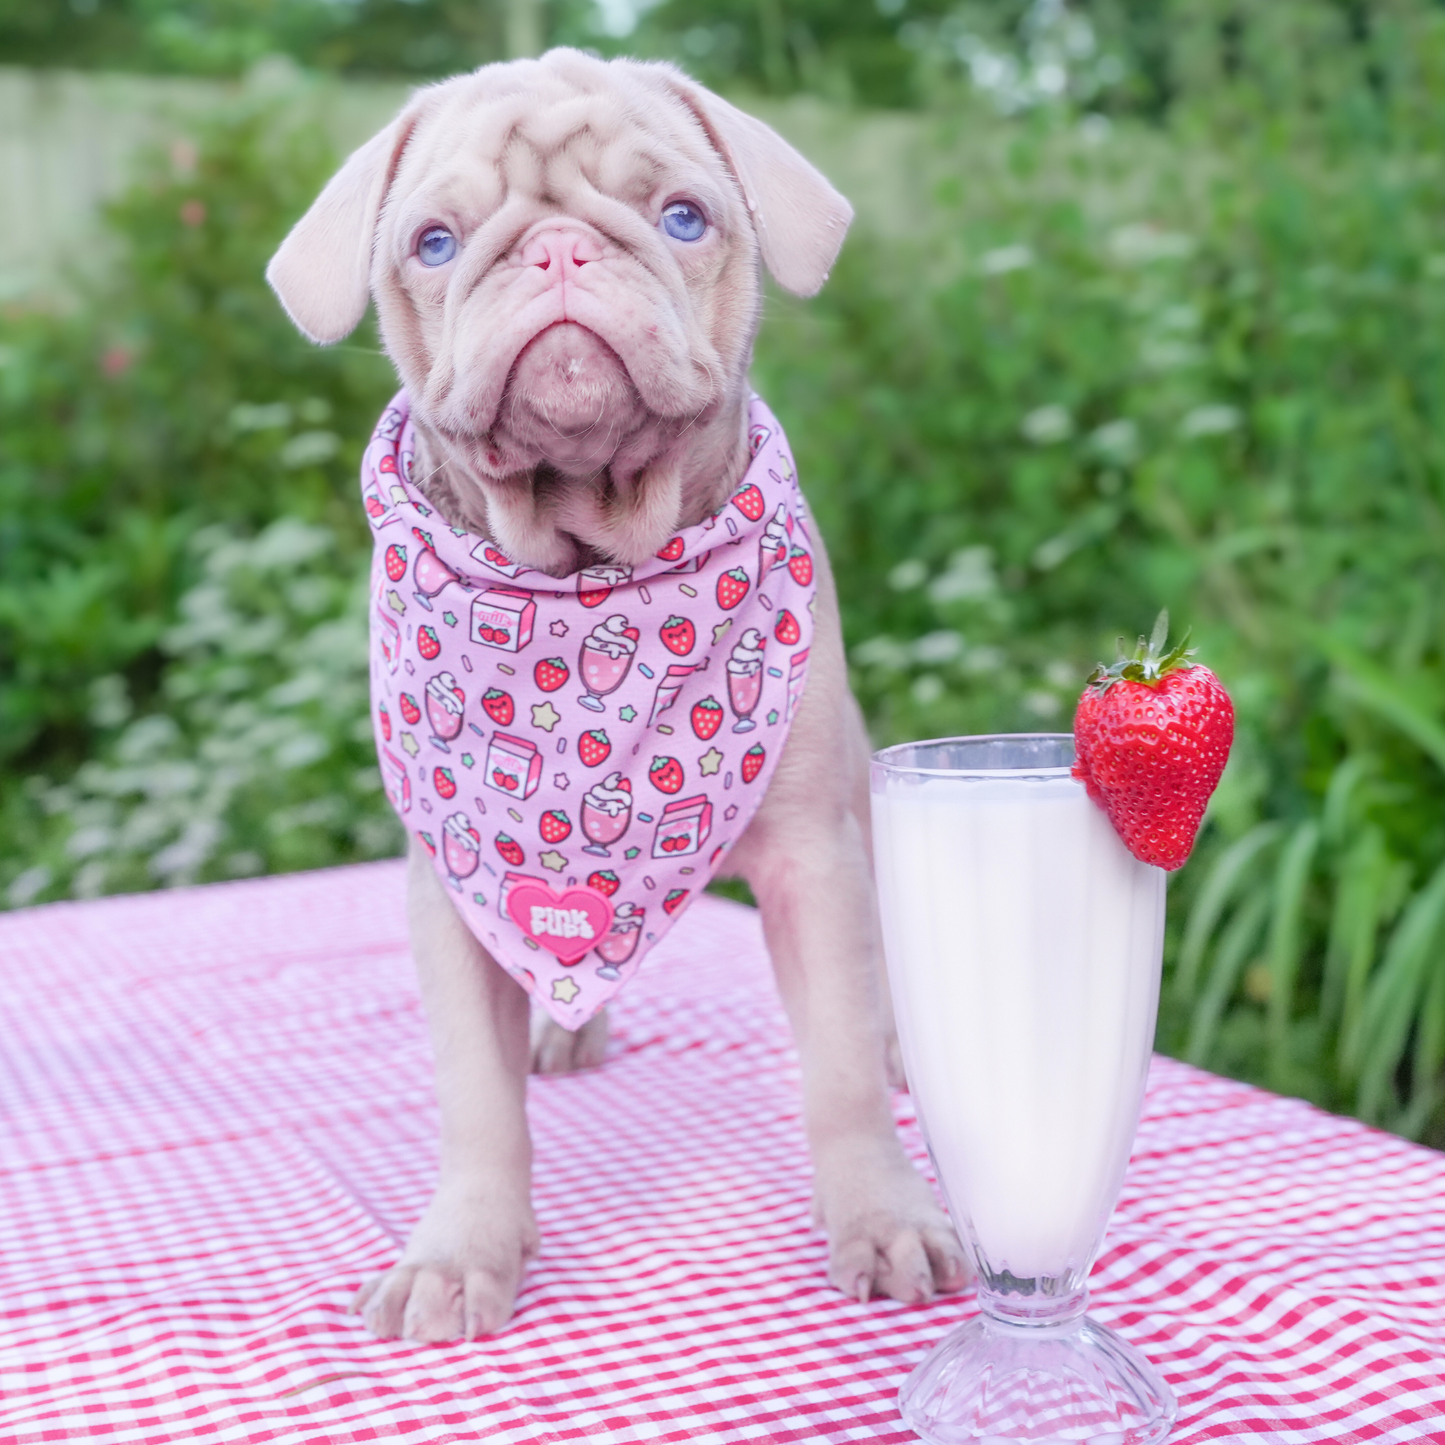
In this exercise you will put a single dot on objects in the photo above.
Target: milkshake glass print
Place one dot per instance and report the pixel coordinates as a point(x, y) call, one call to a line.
point(1024, 943)
point(606, 813)
point(605, 659)
point(461, 848)
point(445, 705)
point(745, 678)
point(620, 941)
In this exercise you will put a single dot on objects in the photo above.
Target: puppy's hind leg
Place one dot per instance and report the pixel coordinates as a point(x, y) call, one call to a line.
point(462, 1266)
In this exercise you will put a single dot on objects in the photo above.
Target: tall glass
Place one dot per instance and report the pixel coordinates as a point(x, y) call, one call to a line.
point(1023, 943)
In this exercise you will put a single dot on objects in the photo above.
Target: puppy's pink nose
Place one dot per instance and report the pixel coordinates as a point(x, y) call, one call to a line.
point(560, 250)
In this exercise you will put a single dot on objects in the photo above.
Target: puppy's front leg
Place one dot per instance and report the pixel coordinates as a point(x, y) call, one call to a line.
point(806, 857)
point(463, 1263)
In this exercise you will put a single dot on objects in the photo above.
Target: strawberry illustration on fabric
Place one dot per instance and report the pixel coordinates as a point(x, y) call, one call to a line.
point(596, 767)
point(1152, 734)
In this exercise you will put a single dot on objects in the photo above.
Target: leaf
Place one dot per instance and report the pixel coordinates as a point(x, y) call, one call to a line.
point(1235, 944)
point(1286, 938)
point(1392, 1000)
point(1361, 878)
point(1385, 696)
point(1213, 898)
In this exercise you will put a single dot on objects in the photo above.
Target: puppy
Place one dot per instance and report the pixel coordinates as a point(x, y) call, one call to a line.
point(565, 258)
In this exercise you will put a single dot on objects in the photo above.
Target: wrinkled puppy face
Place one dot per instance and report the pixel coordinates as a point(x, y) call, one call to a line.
point(565, 259)
point(565, 277)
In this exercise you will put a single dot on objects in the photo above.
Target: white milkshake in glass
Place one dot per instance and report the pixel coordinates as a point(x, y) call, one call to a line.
point(1023, 942)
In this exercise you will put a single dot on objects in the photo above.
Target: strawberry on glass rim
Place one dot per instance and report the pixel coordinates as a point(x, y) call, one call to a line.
point(1151, 738)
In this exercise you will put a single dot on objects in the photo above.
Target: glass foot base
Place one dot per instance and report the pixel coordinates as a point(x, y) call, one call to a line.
point(996, 1384)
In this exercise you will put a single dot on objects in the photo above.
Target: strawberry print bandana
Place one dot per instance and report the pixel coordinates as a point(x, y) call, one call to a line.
point(578, 753)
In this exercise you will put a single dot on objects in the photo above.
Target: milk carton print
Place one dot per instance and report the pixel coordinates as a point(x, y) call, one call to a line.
point(514, 766)
point(497, 560)
point(683, 827)
point(502, 617)
point(396, 780)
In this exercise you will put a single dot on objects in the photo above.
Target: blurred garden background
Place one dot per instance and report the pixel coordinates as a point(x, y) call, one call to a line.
point(1145, 307)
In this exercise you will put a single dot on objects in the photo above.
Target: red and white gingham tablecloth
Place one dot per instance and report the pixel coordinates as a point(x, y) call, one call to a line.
point(216, 1117)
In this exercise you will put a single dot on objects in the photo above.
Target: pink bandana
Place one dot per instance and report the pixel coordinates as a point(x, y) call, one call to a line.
point(578, 753)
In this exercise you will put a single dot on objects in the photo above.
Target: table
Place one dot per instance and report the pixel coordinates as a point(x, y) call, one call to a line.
point(216, 1118)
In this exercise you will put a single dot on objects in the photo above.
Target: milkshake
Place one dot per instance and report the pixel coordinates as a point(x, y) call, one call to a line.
point(1023, 942)
point(461, 848)
point(606, 813)
point(619, 943)
point(773, 545)
point(445, 703)
point(745, 678)
point(606, 657)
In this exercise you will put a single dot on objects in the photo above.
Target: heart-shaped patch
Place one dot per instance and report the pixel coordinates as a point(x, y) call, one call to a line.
point(567, 923)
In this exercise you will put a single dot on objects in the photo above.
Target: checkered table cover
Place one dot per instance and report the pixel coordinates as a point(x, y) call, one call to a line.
point(217, 1119)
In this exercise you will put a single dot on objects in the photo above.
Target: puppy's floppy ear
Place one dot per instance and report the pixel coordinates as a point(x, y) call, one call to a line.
point(800, 219)
point(322, 271)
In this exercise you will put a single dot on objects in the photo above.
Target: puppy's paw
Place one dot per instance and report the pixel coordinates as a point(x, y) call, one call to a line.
point(556, 1050)
point(458, 1276)
point(886, 1235)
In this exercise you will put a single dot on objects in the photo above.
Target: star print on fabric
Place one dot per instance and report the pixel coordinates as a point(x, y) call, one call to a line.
point(409, 745)
point(558, 628)
point(709, 762)
point(561, 782)
point(565, 989)
point(545, 716)
point(627, 713)
point(552, 859)
point(721, 630)
point(393, 600)
point(772, 716)
point(730, 812)
point(450, 618)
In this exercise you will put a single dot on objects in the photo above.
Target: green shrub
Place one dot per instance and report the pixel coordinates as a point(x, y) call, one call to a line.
point(1196, 365)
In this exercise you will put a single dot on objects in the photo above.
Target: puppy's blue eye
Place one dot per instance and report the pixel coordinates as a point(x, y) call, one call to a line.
point(436, 246)
point(683, 221)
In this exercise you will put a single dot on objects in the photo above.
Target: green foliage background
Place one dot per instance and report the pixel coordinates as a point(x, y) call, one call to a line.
point(1187, 356)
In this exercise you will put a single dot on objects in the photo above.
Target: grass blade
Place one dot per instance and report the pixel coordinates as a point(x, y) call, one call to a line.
point(1213, 898)
point(1239, 938)
point(1286, 937)
point(1392, 999)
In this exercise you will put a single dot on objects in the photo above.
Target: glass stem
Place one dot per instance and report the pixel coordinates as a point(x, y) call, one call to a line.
point(1038, 1309)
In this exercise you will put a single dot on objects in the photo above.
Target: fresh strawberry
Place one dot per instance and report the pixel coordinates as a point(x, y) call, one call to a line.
point(499, 706)
point(396, 562)
point(605, 881)
point(786, 629)
point(753, 761)
point(800, 564)
point(593, 748)
point(511, 851)
point(444, 783)
point(673, 550)
point(732, 587)
point(426, 642)
point(554, 825)
point(678, 635)
point(707, 717)
point(1151, 737)
point(749, 501)
point(550, 674)
point(665, 775)
point(674, 900)
point(384, 718)
point(410, 712)
point(387, 464)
